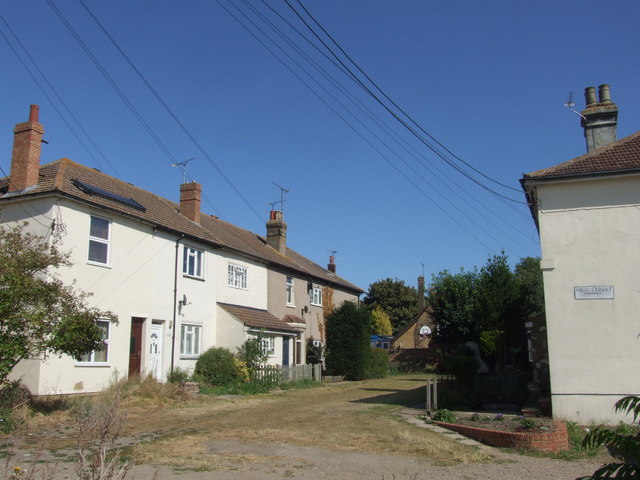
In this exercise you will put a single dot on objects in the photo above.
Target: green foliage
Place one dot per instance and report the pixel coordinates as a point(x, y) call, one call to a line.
point(13, 394)
point(348, 334)
point(378, 366)
point(39, 314)
point(528, 277)
point(625, 447)
point(252, 353)
point(451, 299)
point(464, 366)
point(6, 420)
point(178, 375)
point(444, 415)
point(528, 424)
point(217, 366)
point(315, 353)
point(395, 298)
point(380, 322)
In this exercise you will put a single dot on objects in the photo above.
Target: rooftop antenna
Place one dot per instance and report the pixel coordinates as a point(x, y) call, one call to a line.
point(183, 167)
point(570, 104)
point(333, 252)
point(282, 200)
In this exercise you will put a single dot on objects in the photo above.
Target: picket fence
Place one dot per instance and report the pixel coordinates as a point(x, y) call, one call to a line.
point(288, 373)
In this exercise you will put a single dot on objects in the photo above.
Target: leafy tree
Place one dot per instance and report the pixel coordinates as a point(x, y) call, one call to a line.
point(395, 298)
point(348, 331)
point(496, 307)
point(39, 314)
point(624, 446)
point(380, 322)
point(451, 299)
point(531, 289)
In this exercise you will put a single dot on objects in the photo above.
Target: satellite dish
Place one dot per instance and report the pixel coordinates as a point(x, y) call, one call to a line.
point(425, 330)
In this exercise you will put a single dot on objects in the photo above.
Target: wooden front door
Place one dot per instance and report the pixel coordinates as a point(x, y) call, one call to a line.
point(135, 347)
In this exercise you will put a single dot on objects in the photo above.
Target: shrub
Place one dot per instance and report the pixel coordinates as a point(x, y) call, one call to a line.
point(14, 394)
point(314, 352)
point(252, 354)
point(179, 375)
point(464, 366)
point(6, 420)
point(217, 366)
point(625, 446)
point(378, 366)
point(444, 415)
point(348, 334)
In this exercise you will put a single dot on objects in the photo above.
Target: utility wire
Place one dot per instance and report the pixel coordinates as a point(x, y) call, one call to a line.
point(373, 117)
point(400, 120)
point(401, 142)
point(53, 104)
point(169, 110)
point(392, 164)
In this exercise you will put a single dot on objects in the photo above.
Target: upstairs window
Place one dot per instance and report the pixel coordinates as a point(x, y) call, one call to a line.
point(192, 262)
point(316, 296)
point(100, 355)
point(289, 291)
point(99, 238)
point(237, 276)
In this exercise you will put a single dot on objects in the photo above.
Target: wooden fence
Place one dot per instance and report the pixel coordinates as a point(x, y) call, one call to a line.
point(288, 373)
point(436, 386)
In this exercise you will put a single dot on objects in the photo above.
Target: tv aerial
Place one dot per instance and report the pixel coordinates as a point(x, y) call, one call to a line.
point(183, 167)
point(570, 104)
point(282, 200)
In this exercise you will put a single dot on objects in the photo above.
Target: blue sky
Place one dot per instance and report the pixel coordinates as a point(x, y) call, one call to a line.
point(486, 79)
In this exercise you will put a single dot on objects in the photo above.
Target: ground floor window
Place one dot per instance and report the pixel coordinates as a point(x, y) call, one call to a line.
point(100, 355)
point(268, 345)
point(190, 340)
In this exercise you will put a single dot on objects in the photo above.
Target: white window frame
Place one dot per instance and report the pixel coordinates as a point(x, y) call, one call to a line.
point(237, 276)
point(268, 345)
point(289, 291)
point(100, 240)
point(194, 343)
point(89, 359)
point(195, 269)
point(316, 296)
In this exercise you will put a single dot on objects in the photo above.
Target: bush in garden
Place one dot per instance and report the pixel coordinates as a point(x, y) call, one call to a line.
point(378, 363)
point(217, 366)
point(348, 334)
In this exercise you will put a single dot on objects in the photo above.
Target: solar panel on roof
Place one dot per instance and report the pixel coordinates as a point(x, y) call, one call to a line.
point(101, 192)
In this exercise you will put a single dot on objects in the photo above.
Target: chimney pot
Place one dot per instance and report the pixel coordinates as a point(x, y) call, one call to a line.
point(590, 96)
point(421, 304)
point(604, 94)
point(33, 113)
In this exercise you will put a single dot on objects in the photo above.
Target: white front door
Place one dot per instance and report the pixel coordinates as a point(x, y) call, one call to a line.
point(155, 351)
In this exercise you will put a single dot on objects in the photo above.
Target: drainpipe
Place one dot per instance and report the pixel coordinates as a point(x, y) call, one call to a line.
point(175, 302)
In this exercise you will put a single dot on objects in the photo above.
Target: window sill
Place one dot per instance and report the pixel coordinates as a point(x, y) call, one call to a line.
point(193, 277)
point(291, 305)
point(92, 364)
point(189, 357)
point(98, 264)
point(316, 305)
point(237, 288)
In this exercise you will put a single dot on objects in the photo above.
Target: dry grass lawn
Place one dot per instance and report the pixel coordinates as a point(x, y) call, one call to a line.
point(350, 416)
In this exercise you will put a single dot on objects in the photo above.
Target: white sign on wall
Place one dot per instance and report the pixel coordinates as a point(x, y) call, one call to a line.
point(593, 293)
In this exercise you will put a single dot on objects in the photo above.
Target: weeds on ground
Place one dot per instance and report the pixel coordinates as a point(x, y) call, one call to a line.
point(257, 387)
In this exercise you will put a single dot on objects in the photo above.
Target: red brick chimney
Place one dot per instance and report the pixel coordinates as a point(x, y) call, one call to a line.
point(332, 264)
point(277, 232)
point(421, 303)
point(190, 194)
point(25, 162)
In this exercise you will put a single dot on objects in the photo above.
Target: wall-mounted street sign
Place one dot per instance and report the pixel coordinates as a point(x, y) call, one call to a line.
point(593, 293)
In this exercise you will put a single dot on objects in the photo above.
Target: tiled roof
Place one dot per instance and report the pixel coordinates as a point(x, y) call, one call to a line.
point(256, 318)
point(617, 157)
point(57, 178)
